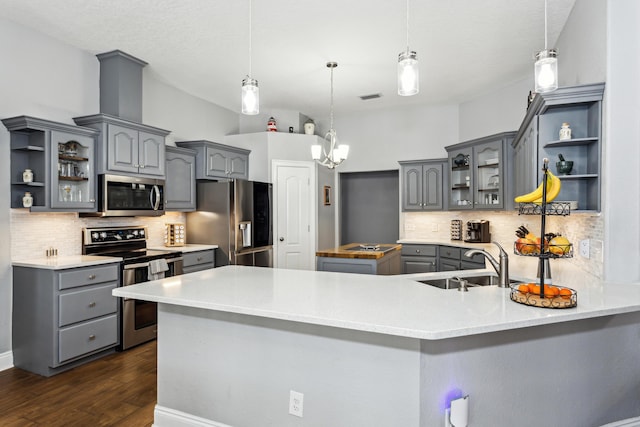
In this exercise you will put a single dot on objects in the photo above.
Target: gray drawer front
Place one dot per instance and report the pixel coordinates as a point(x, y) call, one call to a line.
point(412, 264)
point(450, 252)
point(196, 258)
point(477, 258)
point(420, 250)
point(85, 304)
point(470, 265)
point(87, 337)
point(194, 268)
point(88, 276)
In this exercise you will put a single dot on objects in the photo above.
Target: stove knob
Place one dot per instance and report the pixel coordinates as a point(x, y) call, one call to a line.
point(135, 232)
point(103, 234)
point(129, 236)
point(94, 236)
point(141, 233)
point(118, 237)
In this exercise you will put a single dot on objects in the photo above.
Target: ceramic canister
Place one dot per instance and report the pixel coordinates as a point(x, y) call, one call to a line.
point(27, 175)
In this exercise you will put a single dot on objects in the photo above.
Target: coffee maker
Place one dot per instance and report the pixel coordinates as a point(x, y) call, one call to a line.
point(478, 231)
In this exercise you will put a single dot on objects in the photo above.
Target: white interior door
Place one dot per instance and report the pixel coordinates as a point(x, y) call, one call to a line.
point(294, 220)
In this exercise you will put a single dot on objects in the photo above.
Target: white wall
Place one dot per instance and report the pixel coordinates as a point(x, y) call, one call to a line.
point(379, 139)
point(43, 78)
point(501, 110)
point(621, 173)
point(186, 116)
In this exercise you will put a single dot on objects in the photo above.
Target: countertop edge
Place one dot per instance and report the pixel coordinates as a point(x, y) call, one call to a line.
point(65, 262)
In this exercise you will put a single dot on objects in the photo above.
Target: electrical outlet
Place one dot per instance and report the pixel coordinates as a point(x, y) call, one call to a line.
point(296, 400)
point(584, 248)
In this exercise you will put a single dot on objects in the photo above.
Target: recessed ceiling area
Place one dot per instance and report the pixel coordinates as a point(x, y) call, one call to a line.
point(465, 47)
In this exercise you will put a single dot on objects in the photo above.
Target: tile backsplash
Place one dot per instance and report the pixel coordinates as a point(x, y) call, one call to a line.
point(33, 233)
point(577, 226)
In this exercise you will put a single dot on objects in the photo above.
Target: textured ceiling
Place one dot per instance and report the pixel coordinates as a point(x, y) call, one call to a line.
point(465, 47)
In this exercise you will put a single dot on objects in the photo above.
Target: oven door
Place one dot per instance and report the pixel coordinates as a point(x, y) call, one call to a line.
point(140, 318)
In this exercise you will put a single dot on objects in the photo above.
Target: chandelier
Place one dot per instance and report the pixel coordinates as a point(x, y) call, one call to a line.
point(329, 153)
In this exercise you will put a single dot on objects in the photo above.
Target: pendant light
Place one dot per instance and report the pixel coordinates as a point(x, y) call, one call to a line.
point(329, 153)
point(250, 91)
point(408, 76)
point(546, 66)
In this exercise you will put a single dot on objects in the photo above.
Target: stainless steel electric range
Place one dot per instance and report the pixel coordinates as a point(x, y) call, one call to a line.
point(138, 319)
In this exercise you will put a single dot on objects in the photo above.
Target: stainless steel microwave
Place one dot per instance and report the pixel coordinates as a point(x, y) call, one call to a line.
point(120, 195)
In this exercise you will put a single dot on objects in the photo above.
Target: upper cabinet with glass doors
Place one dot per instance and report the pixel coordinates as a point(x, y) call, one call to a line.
point(480, 173)
point(52, 165)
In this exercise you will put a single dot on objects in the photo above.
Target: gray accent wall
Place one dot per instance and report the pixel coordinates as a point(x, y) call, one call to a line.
point(369, 207)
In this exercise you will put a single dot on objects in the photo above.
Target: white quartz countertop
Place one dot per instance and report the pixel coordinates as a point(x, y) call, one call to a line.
point(62, 262)
point(393, 305)
point(190, 247)
point(456, 243)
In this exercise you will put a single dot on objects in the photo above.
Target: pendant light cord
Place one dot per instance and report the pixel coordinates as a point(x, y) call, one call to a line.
point(545, 24)
point(408, 25)
point(250, 38)
point(331, 110)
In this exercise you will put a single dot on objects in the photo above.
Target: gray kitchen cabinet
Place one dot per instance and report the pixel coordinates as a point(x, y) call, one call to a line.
point(198, 260)
point(180, 181)
point(61, 158)
point(480, 173)
point(218, 161)
point(127, 148)
point(63, 318)
point(538, 138)
point(419, 258)
point(427, 258)
point(452, 258)
point(422, 184)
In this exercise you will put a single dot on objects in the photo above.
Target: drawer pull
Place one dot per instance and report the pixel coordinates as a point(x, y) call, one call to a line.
point(92, 276)
point(92, 337)
point(199, 258)
point(92, 304)
point(417, 251)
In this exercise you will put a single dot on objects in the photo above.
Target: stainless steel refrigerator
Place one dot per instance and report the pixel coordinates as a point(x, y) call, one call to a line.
point(236, 215)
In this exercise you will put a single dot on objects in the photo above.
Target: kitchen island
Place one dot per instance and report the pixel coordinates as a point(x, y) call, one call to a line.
point(386, 351)
point(363, 258)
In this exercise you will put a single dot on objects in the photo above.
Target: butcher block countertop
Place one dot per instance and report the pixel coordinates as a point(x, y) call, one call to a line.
point(357, 250)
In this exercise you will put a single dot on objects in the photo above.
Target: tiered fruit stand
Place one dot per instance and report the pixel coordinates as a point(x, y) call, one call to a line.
point(566, 298)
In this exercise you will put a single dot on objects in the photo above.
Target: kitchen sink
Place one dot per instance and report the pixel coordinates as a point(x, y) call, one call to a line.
point(473, 281)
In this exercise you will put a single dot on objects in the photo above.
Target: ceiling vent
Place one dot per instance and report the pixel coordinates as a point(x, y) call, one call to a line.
point(372, 96)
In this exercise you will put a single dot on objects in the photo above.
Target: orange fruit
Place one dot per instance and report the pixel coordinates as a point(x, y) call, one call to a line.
point(551, 291)
point(565, 293)
point(524, 288)
point(534, 289)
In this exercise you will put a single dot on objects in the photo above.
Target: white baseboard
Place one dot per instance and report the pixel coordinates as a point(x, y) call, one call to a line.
point(167, 417)
point(6, 360)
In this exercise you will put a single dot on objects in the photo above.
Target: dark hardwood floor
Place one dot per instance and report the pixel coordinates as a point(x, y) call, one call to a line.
point(117, 390)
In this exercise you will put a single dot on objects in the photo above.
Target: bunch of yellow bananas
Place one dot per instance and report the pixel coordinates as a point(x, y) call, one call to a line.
point(553, 189)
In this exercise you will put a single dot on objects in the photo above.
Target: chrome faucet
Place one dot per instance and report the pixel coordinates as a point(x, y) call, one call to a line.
point(502, 267)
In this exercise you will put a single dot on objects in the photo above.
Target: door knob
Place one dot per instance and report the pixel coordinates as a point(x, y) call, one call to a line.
point(282, 239)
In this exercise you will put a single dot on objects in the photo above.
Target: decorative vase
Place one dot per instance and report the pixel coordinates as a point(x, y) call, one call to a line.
point(309, 127)
point(27, 200)
point(27, 175)
point(565, 131)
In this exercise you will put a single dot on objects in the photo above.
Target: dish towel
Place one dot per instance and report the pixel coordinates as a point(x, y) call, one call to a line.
point(157, 267)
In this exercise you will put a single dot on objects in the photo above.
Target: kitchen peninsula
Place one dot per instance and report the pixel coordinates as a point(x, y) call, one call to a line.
point(364, 258)
point(386, 351)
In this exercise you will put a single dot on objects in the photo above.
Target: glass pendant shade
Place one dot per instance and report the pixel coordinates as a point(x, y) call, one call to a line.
point(546, 71)
point(250, 97)
point(408, 76)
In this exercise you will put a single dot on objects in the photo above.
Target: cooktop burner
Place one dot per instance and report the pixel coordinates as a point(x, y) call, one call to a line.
point(129, 243)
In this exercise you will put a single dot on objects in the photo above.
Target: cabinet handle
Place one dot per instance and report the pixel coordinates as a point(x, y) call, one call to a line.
point(142, 166)
point(199, 258)
point(417, 251)
point(92, 337)
point(136, 166)
point(92, 200)
point(92, 304)
point(92, 276)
